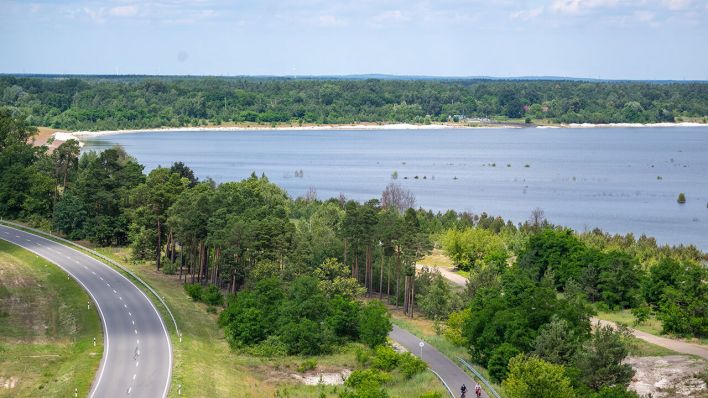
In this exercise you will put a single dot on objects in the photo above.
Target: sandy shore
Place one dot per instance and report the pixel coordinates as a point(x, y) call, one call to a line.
point(337, 127)
point(82, 135)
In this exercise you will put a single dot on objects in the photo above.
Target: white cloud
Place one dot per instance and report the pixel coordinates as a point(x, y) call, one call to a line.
point(645, 16)
point(124, 11)
point(330, 20)
point(98, 15)
point(677, 5)
point(580, 6)
point(527, 14)
point(394, 16)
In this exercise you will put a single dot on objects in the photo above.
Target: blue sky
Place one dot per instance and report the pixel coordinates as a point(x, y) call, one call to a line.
point(612, 39)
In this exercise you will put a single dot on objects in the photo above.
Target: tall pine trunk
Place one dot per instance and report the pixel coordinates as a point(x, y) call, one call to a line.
point(398, 275)
point(381, 273)
point(158, 249)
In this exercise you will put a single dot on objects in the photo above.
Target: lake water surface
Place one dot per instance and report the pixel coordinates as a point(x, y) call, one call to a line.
point(619, 179)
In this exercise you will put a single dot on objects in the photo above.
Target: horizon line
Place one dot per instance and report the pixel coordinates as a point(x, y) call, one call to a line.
point(362, 76)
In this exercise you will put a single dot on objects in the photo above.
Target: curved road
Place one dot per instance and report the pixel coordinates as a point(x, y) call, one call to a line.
point(452, 375)
point(137, 356)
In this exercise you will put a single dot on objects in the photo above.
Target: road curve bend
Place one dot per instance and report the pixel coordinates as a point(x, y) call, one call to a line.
point(452, 375)
point(137, 356)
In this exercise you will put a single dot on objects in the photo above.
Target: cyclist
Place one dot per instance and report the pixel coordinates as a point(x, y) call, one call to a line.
point(478, 390)
point(463, 390)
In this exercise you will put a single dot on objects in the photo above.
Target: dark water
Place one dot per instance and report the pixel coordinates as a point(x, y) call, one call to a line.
point(621, 180)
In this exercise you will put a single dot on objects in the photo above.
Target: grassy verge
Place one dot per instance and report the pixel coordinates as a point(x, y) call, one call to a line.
point(46, 330)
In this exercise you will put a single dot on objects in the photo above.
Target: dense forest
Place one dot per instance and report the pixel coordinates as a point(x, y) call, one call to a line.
point(302, 276)
point(103, 103)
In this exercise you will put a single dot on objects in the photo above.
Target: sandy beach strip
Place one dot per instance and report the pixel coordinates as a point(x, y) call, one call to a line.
point(82, 135)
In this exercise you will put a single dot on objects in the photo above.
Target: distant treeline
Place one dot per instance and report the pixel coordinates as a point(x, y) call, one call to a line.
point(100, 103)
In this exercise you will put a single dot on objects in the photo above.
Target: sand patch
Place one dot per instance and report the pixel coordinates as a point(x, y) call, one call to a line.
point(323, 378)
point(8, 383)
point(669, 376)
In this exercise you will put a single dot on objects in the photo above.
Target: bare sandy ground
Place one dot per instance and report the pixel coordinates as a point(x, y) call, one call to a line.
point(669, 376)
point(82, 135)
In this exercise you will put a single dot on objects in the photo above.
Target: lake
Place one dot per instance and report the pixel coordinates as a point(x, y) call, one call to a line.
point(618, 179)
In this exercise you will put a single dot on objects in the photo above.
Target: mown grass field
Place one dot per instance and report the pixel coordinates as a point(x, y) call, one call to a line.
point(205, 365)
point(46, 329)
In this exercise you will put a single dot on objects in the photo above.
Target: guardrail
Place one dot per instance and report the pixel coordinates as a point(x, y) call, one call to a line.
point(443, 381)
point(105, 258)
point(479, 375)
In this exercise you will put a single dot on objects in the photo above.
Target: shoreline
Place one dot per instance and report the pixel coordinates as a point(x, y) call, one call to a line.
point(80, 135)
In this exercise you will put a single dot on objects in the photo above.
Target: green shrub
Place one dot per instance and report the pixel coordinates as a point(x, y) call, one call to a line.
point(641, 314)
point(211, 309)
point(366, 376)
point(306, 337)
point(453, 326)
point(385, 358)
point(168, 267)
point(194, 290)
point(307, 365)
point(363, 356)
point(374, 323)
point(411, 365)
point(681, 198)
point(431, 394)
point(212, 295)
point(500, 359)
point(270, 347)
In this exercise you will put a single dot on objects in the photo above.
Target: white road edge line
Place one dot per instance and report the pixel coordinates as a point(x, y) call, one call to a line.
point(164, 328)
point(103, 318)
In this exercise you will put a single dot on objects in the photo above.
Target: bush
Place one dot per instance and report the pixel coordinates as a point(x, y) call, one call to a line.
point(499, 360)
point(194, 290)
point(366, 376)
point(212, 295)
point(453, 326)
point(363, 356)
point(307, 365)
point(307, 337)
point(374, 324)
point(411, 365)
point(269, 348)
point(211, 309)
point(681, 198)
point(431, 395)
point(534, 377)
point(641, 314)
point(385, 358)
point(168, 267)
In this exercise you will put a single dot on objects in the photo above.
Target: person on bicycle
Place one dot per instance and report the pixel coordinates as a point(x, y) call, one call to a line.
point(478, 390)
point(463, 390)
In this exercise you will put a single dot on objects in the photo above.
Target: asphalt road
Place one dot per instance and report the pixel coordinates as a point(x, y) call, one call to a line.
point(452, 374)
point(137, 356)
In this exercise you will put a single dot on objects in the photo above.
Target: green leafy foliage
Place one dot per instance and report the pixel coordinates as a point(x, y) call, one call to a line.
point(534, 377)
point(472, 247)
point(194, 291)
point(410, 365)
point(374, 324)
point(600, 361)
